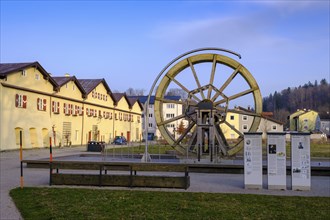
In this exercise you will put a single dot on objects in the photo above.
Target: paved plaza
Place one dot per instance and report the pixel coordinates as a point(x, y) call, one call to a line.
point(199, 182)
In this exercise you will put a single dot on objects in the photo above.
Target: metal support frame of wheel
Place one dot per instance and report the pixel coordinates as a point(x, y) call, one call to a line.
point(206, 106)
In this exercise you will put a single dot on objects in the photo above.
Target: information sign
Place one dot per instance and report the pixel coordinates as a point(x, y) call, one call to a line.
point(276, 161)
point(300, 161)
point(253, 160)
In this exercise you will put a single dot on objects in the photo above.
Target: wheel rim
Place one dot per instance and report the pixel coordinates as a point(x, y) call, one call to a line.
point(207, 94)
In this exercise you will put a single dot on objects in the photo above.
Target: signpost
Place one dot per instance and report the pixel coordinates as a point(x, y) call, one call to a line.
point(253, 160)
point(300, 161)
point(276, 161)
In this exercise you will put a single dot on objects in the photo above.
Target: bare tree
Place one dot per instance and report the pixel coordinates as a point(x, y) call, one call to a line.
point(135, 92)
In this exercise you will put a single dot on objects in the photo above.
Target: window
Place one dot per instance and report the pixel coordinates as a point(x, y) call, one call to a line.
point(170, 105)
point(73, 87)
point(170, 115)
point(24, 73)
point(20, 101)
point(244, 117)
point(232, 117)
point(150, 125)
point(245, 127)
point(151, 106)
point(75, 110)
point(138, 119)
point(41, 104)
point(80, 110)
point(67, 109)
point(37, 76)
point(55, 107)
point(274, 127)
point(150, 115)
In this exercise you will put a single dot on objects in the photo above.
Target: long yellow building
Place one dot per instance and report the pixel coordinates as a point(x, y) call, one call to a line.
point(68, 110)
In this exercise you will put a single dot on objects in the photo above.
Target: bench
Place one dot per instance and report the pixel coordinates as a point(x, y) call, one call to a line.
point(138, 174)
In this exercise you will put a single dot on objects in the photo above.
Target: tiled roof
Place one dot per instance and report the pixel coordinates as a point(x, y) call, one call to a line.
point(132, 101)
point(7, 68)
point(62, 80)
point(118, 96)
point(90, 84)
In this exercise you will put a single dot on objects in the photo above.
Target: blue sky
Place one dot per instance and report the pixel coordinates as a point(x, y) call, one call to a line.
point(282, 43)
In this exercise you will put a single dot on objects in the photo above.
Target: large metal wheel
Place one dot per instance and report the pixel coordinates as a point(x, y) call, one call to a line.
point(209, 105)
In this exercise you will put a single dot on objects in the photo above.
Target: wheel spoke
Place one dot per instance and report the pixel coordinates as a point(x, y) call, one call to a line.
point(214, 64)
point(186, 131)
point(228, 81)
point(196, 78)
point(220, 141)
point(172, 119)
point(184, 88)
point(234, 129)
point(248, 91)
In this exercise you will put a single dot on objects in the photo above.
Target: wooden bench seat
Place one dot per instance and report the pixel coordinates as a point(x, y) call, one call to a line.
point(149, 174)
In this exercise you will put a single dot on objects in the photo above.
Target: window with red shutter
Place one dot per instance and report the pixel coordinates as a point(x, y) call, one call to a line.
point(38, 105)
point(53, 106)
point(70, 109)
point(16, 100)
point(44, 104)
point(81, 111)
point(24, 101)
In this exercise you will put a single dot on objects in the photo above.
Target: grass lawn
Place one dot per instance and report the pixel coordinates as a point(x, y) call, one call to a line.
point(317, 149)
point(73, 203)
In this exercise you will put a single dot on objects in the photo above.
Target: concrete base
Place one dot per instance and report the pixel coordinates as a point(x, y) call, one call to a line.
point(301, 188)
point(252, 186)
point(277, 187)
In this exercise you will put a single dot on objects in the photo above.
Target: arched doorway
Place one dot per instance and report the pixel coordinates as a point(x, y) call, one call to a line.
point(33, 137)
point(17, 137)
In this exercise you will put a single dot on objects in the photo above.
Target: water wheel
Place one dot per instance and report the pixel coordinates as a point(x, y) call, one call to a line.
point(212, 83)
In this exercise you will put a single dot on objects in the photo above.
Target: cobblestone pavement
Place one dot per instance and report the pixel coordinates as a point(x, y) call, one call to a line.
point(199, 182)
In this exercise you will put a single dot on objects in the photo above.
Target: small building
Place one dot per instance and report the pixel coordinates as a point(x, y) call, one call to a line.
point(305, 121)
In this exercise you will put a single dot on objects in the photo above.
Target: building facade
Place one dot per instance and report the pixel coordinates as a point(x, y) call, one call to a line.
point(170, 110)
point(68, 110)
point(241, 121)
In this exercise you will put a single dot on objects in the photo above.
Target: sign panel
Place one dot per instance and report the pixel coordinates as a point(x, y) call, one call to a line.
point(276, 161)
point(300, 161)
point(253, 160)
